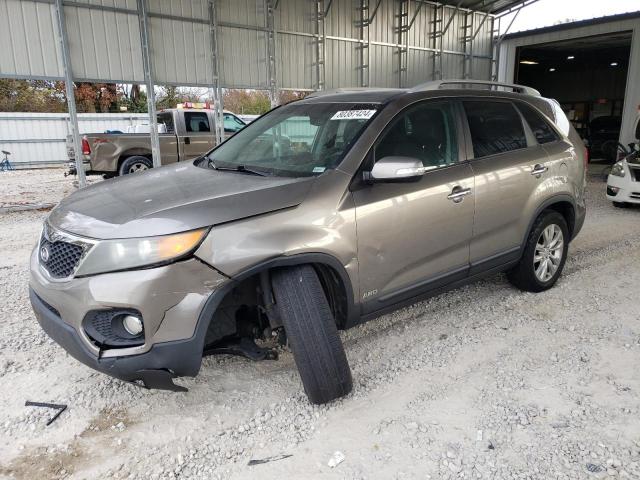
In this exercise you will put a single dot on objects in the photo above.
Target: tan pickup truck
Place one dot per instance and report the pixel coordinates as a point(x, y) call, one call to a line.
point(184, 134)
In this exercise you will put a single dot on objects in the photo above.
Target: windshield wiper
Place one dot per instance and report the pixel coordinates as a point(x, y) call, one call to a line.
point(236, 168)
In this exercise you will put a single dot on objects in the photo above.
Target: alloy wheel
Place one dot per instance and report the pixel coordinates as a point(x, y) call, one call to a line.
point(548, 252)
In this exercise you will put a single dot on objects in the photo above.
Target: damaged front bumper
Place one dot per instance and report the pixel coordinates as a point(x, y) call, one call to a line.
point(176, 303)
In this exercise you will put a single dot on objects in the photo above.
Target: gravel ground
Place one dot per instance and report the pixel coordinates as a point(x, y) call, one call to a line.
point(482, 382)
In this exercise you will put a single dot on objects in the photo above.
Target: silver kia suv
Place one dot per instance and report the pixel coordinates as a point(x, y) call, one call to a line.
point(316, 217)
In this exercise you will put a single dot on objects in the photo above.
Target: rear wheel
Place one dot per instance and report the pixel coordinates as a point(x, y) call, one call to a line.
point(544, 254)
point(312, 333)
point(135, 164)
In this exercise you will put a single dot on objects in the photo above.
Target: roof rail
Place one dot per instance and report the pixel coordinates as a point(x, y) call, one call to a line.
point(333, 91)
point(439, 84)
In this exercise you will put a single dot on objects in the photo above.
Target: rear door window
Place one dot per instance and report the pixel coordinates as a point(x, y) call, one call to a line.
point(196, 122)
point(496, 127)
point(539, 126)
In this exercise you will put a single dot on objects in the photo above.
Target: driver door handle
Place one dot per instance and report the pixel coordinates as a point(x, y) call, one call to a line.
point(458, 193)
point(539, 169)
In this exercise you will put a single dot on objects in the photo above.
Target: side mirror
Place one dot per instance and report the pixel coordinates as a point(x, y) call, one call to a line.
point(394, 168)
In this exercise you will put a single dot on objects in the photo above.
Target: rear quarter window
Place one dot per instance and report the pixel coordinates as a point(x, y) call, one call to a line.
point(539, 126)
point(561, 120)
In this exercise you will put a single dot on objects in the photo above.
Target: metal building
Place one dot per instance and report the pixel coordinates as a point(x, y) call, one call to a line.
point(591, 67)
point(262, 44)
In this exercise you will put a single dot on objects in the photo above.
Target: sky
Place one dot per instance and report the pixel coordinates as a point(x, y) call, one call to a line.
point(548, 12)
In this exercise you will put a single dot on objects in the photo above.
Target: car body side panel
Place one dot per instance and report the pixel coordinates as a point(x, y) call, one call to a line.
point(411, 231)
point(324, 223)
point(507, 194)
point(106, 149)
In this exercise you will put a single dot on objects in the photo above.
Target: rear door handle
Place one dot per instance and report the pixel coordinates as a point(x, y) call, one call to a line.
point(539, 169)
point(187, 140)
point(458, 193)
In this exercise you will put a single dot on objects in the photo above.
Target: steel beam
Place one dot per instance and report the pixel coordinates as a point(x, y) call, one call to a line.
point(436, 35)
point(271, 53)
point(403, 38)
point(320, 44)
point(216, 91)
point(147, 66)
point(467, 42)
point(364, 48)
point(71, 99)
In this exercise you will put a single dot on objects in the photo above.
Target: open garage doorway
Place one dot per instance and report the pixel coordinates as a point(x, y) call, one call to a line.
point(588, 77)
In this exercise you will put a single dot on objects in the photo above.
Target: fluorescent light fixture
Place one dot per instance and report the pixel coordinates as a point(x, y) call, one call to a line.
point(528, 62)
point(614, 64)
point(570, 57)
point(552, 69)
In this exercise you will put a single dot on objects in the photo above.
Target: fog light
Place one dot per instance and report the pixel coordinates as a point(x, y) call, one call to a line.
point(612, 191)
point(132, 324)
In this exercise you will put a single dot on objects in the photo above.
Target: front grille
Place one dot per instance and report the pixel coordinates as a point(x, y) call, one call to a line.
point(635, 172)
point(61, 257)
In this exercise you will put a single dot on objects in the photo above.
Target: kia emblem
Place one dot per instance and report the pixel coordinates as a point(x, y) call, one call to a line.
point(44, 254)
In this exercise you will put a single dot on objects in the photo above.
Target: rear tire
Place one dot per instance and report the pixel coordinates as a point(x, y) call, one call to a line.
point(312, 333)
point(530, 275)
point(134, 164)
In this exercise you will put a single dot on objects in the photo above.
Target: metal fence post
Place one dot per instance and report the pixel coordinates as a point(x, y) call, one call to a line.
point(71, 99)
point(147, 66)
point(218, 107)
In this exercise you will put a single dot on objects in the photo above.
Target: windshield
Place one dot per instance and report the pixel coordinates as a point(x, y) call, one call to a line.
point(294, 140)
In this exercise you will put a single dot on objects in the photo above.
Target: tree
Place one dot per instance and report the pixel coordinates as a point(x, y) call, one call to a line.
point(249, 102)
point(288, 96)
point(170, 96)
point(32, 96)
point(97, 97)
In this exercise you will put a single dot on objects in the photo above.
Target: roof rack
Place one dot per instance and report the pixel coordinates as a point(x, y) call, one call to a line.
point(439, 84)
point(333, 91)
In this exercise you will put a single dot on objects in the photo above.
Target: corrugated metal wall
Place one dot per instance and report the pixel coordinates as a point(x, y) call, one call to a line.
point(39, 138)
point(104, 40)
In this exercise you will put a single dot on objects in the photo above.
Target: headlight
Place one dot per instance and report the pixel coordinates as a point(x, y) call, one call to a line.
point(618, 169)
point(113, 255)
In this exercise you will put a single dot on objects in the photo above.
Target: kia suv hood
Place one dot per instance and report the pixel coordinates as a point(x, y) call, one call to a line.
point(173, 199)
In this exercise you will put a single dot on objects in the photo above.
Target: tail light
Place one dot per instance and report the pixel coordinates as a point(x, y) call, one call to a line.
point(86, 149)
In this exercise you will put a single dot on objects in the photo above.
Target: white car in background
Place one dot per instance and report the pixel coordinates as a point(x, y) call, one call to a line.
point(623, 182)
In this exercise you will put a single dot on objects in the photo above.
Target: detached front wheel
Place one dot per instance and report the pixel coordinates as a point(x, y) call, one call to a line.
point(312, 333)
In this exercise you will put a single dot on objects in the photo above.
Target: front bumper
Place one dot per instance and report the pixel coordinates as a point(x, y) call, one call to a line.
point(628, 188)
point(172, 299)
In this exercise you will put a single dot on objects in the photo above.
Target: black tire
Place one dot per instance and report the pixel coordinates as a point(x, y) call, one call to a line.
point(523, 275)
point(134, 164)
point(620, 204)
point(312, 333)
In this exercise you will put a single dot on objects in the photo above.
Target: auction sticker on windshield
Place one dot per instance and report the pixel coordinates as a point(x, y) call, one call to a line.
point(353, 115)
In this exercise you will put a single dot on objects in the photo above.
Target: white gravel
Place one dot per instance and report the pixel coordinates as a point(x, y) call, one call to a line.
point(482, 382)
